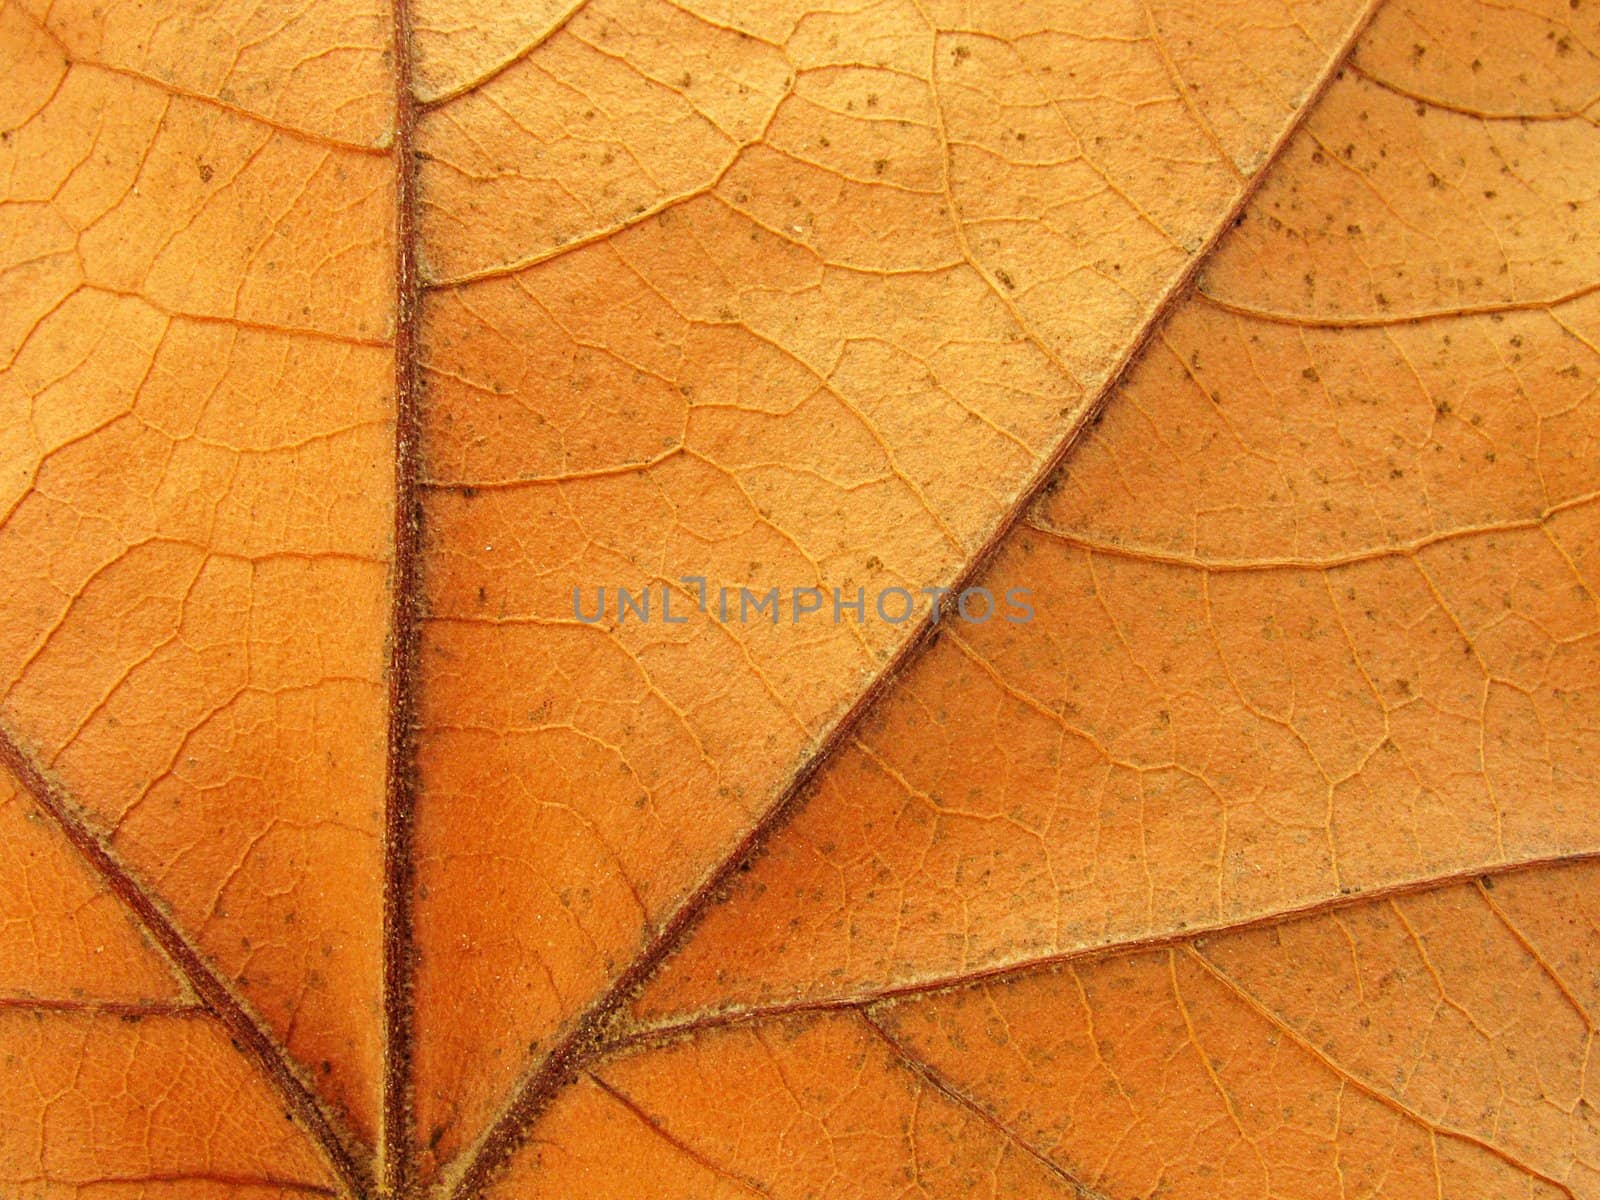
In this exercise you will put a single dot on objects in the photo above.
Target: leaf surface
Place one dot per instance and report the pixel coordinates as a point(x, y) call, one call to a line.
point(1256, 343)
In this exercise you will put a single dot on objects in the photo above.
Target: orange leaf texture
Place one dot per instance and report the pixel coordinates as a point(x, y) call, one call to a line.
point(1152, 747)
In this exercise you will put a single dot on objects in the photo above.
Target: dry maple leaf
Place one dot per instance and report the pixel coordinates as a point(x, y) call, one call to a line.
point(1256, 342)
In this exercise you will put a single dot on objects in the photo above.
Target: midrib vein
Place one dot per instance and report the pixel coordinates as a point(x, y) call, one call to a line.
point(395, 1160)
point(246, 1030)
point(585, 1039)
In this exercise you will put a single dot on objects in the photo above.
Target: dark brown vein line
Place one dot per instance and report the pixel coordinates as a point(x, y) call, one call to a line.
point(394, 1156)
point(246, 1031)
point(586, 1037)
point(659, 1130)
point(926, 1072)
point(1003, 972)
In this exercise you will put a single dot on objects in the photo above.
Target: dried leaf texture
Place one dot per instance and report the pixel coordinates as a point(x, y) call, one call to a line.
point(809, 331)
point(115, 1082)
point(194, 503)
point(1259, 340)
point(1432, 1044)
point(1348, 641)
